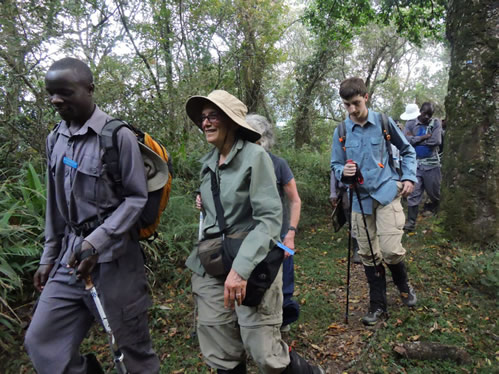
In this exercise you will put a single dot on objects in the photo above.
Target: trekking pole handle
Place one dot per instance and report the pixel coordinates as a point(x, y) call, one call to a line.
point(357, 178)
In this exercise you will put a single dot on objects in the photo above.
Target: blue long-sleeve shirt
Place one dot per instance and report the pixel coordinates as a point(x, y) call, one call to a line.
point(367, 147)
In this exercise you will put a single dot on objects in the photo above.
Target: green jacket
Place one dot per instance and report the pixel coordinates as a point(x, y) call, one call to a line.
point(250, 200)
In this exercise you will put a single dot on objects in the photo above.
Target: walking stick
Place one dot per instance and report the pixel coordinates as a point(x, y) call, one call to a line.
point(118, 356)
point(357, 179)
point(350, 195)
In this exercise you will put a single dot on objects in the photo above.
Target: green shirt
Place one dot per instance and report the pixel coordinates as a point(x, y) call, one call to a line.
point(250, 201)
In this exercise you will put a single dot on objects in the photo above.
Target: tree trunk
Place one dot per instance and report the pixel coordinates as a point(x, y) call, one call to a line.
point(432, 351)
point(470, 164)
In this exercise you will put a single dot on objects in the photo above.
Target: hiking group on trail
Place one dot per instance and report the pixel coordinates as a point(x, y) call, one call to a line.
point(92, 266)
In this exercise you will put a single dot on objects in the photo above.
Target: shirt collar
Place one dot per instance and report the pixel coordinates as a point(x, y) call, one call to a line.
point(371, 119)
point(210, 160)
point(96, 122)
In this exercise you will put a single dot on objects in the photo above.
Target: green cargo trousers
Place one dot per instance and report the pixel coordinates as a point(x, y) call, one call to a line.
point(227, 336)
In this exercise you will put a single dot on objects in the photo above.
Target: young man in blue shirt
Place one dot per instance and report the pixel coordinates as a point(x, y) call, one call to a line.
point(380, 194)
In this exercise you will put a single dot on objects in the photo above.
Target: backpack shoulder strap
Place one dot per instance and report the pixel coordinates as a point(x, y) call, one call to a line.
point(342, 134)
point(52, 139)
point(109, 144)
point(385, 128)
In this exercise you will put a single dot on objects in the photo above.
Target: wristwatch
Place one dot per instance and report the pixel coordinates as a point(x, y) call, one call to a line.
point(292, 228)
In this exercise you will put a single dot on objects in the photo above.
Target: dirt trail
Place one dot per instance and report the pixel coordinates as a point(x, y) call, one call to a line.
point(346, 345)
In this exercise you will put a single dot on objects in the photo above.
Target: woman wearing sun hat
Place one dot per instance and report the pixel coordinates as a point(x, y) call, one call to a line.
point(226, 329)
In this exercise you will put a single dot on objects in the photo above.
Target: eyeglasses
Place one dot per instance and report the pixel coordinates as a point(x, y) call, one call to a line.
point(212, 117)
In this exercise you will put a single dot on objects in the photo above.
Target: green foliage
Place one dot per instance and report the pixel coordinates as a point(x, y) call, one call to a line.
point(177, 234)
point(311, 170)
point(480, 270)
point(22, 214)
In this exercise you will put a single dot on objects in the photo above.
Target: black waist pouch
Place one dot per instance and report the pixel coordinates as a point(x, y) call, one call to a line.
point(262, 276)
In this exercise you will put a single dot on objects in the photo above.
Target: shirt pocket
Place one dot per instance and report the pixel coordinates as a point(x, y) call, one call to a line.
point(87, 175)
point(352, 143)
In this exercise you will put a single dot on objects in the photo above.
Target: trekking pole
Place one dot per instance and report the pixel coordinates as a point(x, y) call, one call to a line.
point(358, 179)
point(118, 356)
point(200, 229)
point(365, 226)
point(350, 195)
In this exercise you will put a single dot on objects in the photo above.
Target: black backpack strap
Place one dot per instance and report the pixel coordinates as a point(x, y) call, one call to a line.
point(342, 134)
point(52, 139)
point(215, 190)
point(111, 153)
point(385, 125)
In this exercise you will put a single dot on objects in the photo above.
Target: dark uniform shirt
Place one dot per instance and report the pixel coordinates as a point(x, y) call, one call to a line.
point(79, 190)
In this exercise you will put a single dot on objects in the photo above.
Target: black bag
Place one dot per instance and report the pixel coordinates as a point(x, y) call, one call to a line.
point(264, 274)
point(338, 216)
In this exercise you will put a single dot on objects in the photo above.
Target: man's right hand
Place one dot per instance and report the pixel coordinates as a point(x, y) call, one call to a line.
point(333, 201)
point(41, 276)
point(350, 169)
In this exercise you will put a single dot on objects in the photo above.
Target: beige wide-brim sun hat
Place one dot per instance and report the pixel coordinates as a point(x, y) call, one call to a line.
point(411, 112)
point(228, 104)
point(156, 168)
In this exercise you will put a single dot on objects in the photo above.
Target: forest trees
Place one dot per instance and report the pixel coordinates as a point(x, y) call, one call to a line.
point(471, 164)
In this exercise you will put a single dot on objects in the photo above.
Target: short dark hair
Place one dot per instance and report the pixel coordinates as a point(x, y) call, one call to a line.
point(82, 69)
point(352, 87)
point(429, 105)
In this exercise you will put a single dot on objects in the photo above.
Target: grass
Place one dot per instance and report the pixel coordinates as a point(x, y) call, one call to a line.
point(452, 309)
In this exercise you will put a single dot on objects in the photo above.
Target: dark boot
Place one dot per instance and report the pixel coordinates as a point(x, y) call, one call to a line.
point(431, 208)
point(412, 215)
point(356, 258)
point(377, 294)
point(239, 369)
point(399, 275)
point(93, 366)
point(298, 365)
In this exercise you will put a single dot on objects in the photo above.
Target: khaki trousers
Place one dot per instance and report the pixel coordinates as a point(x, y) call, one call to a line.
point(226, 336)
point(385, 227)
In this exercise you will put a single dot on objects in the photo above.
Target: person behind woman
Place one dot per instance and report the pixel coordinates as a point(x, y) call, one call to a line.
point(226, 329)
point(291, 205)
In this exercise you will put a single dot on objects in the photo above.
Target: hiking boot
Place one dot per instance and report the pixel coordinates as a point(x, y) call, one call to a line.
point(298, 365)
point(399, 275)
point(372, 317)
point(412, 215)
point(285, 328)
point(409, 298)
point(93, 365)
point(239, 369)
point(377, 294)
point(356, 258)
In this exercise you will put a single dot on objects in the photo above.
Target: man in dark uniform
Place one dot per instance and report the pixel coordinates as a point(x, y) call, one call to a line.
point(425, 135)
point(90, 230)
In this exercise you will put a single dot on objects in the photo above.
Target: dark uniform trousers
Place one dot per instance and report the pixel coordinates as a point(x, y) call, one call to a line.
point(66, 312)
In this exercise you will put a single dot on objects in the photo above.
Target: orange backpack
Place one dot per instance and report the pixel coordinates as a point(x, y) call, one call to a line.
point(157, 200)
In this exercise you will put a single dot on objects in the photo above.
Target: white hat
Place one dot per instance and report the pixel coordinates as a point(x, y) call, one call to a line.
point(411, 112)
point(156, 168)
point(228, 104)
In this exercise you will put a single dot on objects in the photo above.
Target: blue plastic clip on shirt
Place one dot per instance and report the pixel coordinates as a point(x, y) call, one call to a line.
point(70, 163)
point(289, 250)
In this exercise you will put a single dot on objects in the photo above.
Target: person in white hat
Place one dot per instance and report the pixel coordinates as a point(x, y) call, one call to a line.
point(425, 134)
point(411, 112)
point(228, 330)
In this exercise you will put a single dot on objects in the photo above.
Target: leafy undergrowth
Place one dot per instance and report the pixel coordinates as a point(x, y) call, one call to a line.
point(454, 308)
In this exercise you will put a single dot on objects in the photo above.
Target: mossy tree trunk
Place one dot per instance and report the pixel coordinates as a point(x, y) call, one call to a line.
point(470, 165)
